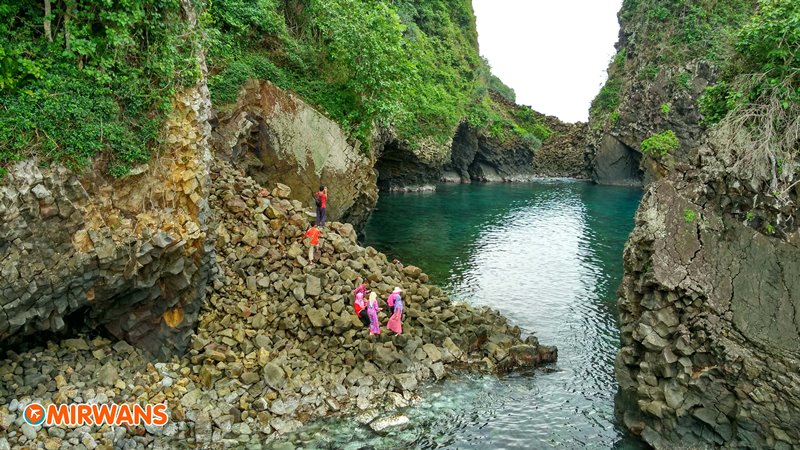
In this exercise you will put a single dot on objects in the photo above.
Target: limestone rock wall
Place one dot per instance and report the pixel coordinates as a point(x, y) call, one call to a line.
point(709, 319)
point(132, 255)
point(277, 138)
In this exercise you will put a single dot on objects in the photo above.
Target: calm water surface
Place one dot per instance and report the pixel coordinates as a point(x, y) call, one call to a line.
point(549, 256)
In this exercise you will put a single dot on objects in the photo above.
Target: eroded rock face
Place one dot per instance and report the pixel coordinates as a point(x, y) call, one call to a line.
point(617, 164)
point(563, 154)
point(132, 255)
point(476, 156)
point(710, 331)
point(277, 138)
point(400, 168)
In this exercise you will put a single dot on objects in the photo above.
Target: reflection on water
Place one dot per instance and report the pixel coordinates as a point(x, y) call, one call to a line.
point(549, 256)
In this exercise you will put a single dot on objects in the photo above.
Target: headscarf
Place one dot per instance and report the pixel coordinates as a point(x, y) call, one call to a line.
point(360, 299)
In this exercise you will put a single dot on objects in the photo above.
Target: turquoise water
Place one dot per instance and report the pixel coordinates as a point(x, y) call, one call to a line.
point(549, 256)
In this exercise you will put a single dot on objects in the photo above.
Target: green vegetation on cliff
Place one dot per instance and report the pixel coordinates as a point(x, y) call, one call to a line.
point(660, 144)
point(78, 79)
point(755, 104)
point(414, 65)
point(663, 36)
point(89, 78)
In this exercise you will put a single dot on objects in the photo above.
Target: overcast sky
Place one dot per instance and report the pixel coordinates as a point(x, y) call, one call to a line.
point(554, 53)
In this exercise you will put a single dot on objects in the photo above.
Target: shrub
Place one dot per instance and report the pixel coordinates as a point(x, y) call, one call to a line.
point(648, 72)
point(659, 145)
point(665, 109)
point(105, 90)
point(619, 58)
point(689, 215)
point(682, 80)
point(609, 97)
point(613, 118)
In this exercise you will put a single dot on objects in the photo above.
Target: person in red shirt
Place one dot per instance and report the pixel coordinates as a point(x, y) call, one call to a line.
point(313, 234)
point(360, 305)
point(321, 199)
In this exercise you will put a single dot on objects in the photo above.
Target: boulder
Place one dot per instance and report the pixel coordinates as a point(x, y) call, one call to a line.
point(282, 191)
point(274, 376)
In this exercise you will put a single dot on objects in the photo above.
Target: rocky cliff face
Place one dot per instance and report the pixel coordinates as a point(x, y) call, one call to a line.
point(477, 156)
point(708, 304)
point(667, 54)
point(562, 155)
point(132, 255)
point(710, 332)
point(276, 137)
point(647, 107)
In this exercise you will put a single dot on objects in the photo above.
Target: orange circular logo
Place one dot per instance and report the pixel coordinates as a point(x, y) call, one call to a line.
point(34, 414)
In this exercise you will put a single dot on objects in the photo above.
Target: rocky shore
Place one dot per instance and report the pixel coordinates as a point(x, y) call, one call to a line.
point(277, 343)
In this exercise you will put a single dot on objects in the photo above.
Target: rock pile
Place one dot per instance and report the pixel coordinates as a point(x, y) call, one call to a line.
point(277, 341)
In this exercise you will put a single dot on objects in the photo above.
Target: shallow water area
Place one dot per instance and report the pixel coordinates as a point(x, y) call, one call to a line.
point(548, 255)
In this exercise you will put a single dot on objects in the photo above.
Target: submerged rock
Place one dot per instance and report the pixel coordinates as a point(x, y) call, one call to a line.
point(389, 422)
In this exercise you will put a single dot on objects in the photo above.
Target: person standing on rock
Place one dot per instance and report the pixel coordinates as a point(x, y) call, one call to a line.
point(359, 305)
point(372, 310)
point(313, 234)
point(321, 199)
point(391, 299)
point(396, 321)
point(360, 308)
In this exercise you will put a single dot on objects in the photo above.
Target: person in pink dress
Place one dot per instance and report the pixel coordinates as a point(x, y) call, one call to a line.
point(396, 320)
point(372, 311)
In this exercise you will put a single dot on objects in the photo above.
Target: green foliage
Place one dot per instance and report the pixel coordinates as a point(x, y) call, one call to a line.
point(659, 145)
point(619, 58)
point(105, 89)
point(609, 97)
point(769, 228)
point(665, 109)
point(682, 80)
point(689, 215)
point(410, 64)
point(648, 72)
point(613, 118)
point(660, 13)
point(495, 84)
point(765, 63)
point(16, 70)
point(766, 53)
point(105, 82)
point(749, 216)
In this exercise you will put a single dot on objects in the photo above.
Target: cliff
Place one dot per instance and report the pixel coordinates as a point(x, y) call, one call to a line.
point(131, 256)
point(709, 331)
point(667, 54)
point(275, 137)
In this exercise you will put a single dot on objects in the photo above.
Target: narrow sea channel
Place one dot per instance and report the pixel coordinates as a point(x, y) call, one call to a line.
point(549, 256)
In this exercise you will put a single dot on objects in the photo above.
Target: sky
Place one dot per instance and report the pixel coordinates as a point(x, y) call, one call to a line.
point(554, 54)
